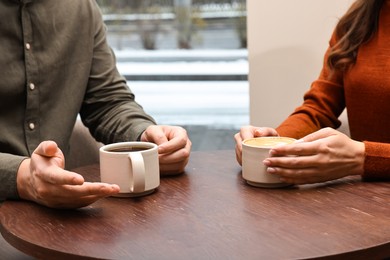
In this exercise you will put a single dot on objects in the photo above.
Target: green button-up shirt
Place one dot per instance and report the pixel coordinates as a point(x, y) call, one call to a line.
point(55, 64)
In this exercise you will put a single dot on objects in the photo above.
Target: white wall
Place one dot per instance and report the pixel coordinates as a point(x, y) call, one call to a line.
point(286, 43)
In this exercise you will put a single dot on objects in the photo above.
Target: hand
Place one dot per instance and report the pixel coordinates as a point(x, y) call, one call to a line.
point(43, 179)
point(250, 132)
point(174, 147)
point(321, 156)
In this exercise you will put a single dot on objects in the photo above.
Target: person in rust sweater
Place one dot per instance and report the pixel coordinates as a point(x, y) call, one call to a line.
point(356, 76)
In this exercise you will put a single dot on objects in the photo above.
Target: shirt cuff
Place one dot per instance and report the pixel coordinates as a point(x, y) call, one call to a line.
point(9, 166)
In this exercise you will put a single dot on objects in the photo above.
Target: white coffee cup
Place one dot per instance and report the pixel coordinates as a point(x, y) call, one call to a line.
point(133, 166)
point(254, 152)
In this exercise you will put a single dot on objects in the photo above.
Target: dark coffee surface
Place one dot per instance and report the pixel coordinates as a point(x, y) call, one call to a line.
point(128, 149)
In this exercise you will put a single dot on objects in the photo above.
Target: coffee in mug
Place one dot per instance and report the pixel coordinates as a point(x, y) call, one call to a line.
point(128, 149)
point(254, 152)
point(133, 166)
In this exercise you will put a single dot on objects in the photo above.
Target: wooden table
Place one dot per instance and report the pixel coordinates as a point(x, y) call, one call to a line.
point(211, 213)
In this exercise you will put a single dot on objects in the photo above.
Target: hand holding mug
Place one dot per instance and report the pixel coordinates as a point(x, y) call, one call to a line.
point(174, 147)
point(247, 132)
point(321, 156)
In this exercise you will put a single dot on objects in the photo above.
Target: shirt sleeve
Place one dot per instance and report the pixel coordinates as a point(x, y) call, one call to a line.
point(109, 109)
point(9, 165)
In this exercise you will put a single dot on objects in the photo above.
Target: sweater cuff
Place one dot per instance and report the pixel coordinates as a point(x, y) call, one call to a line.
point(377, 161)
point(9, 166)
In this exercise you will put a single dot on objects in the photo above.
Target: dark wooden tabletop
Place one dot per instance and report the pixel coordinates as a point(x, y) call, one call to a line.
point(211, 213)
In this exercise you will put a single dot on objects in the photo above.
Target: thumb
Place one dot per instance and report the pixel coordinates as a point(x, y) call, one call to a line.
point(50, 149)
point(47, 149)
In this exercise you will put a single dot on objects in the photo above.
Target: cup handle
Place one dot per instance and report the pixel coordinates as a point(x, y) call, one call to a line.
point(138, 171)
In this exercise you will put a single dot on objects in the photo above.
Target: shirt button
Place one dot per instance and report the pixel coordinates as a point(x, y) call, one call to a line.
point(31, 126)
point(32, 86)
point(28, 46)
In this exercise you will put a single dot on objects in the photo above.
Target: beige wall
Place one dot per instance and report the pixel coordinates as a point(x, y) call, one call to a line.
point(286, 43)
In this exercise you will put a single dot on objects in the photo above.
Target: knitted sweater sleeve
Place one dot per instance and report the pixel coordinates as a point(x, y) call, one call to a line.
point(377, 161)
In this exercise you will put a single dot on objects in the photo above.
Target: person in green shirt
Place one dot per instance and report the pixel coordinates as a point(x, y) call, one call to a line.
point(56, 65)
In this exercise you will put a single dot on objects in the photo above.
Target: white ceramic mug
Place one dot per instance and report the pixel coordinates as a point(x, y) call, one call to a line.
point(134, 166)
point(254, 152)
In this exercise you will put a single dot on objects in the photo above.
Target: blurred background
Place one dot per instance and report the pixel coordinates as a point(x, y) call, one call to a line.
point(186, 61)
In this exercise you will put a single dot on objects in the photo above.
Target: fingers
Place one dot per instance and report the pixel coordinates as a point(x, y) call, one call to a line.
point(71, 196)
point(58, 176)
point(297, 169)
point(168, 138)
point(320, 134)
point(176, 139)
point(292, 162)
point(295, 149)
point(247, 132)
point(317, 142)
point(308, 145)
point(176, 153)
point(251, 131)
point(175, 162)
point(174, 147)
point(265, 131)
point(154, 134)
point(90, 189)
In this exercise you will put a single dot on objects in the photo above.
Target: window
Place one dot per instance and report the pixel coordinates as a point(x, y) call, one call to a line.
point(186, 62)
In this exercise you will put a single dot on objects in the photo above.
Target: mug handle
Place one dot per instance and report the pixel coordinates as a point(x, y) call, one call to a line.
point(138, 171)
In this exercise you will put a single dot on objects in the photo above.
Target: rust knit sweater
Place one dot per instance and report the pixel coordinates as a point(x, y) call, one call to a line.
point(365, 91)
